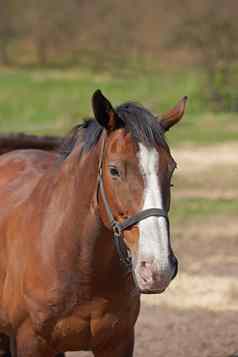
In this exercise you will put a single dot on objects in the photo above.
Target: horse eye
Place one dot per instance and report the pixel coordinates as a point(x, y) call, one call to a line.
point(114, 171)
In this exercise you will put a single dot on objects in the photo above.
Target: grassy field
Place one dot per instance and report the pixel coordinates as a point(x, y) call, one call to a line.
point(52, 101)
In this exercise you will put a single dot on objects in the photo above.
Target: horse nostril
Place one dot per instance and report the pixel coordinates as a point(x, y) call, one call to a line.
point(174, 264)
point(123, 215)
point(146, 270)
point(143, 264)
point(146, 265)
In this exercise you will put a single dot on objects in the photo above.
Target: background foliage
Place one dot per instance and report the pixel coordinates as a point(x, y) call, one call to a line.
point(115, 35)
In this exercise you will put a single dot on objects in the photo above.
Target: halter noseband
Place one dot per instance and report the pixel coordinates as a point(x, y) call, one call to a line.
point(118, 228)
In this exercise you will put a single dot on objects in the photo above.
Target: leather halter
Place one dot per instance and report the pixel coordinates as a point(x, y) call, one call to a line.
point(118, 228)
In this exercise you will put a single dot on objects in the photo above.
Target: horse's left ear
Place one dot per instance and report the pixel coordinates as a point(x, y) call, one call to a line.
point(104, 112)
point(173, 116)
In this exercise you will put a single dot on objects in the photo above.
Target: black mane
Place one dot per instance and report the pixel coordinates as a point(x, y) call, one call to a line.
point(143, 126)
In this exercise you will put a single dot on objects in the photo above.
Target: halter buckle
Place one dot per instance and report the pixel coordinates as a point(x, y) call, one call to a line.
point(116, 229)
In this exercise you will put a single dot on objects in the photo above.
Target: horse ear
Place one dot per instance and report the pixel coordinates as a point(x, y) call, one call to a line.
point(104, 113)
point(173, 116)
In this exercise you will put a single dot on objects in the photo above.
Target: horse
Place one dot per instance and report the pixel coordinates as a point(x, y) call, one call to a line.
point(85, 231)
point(25, 141)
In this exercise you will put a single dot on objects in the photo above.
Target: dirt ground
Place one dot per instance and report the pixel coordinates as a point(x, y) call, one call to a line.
point(198, 314)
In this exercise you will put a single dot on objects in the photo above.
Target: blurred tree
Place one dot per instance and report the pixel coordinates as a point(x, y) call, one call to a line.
point(210, 30)
point(51, 24)
point(111, 30)
point(8, 30)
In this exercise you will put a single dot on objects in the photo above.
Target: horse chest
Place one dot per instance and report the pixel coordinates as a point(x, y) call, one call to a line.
point(94, 324)
point(115, 319)
point(108, 326)
point(73, 333)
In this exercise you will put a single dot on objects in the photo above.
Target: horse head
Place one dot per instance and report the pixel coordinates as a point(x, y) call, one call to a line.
point(136, 168)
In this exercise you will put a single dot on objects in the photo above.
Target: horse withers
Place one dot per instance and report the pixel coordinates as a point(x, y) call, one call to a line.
point(85, 231)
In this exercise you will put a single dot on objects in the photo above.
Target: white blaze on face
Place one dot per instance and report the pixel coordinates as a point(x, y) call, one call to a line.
point(154, 237)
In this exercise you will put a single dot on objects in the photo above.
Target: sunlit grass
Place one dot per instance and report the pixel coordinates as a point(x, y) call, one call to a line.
point(52, 101)
point(196, 209)
point(49, 92)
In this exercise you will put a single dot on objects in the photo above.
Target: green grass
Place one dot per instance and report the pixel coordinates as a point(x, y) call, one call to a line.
point(205, 129)
point(52, 101)
point(196, 209)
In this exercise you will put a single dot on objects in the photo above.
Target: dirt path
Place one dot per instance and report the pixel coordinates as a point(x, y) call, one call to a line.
point(198, 159)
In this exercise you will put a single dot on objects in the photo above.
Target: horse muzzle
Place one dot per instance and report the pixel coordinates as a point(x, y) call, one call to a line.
point(151, 279)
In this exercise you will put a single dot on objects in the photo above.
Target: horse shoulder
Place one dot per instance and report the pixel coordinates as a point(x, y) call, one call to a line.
point(20, 171)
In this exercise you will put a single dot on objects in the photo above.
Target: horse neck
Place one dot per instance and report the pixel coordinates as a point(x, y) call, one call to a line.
point(77, 240)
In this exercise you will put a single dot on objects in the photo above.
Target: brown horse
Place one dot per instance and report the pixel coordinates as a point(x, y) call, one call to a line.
point(84, 232)
point(10, 142)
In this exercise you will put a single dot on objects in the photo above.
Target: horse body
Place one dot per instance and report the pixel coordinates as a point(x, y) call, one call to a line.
point(62, 285)
point(59, 304)
point(10, 142)
point(19, 175)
